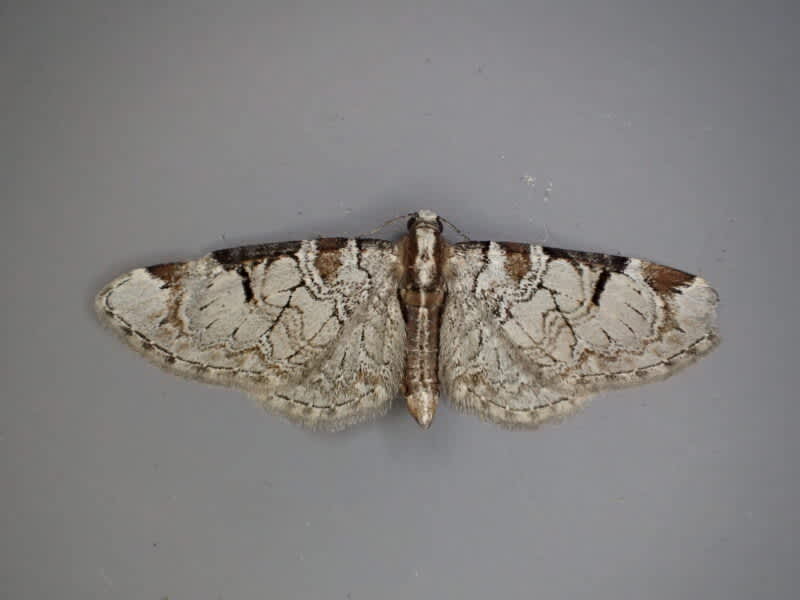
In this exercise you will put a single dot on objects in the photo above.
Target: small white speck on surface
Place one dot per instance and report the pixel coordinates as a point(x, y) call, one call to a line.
point(548, 191)
point(528, 180)
point(106, 578)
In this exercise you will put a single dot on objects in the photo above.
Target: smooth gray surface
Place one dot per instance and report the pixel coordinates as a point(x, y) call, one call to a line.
point(134, 133)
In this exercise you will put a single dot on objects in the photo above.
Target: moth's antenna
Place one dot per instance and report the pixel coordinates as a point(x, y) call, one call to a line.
point(457, 230)
point(386, 224)
point(546, 235)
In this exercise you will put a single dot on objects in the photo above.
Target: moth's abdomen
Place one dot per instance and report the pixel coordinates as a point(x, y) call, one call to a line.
point(421, 379)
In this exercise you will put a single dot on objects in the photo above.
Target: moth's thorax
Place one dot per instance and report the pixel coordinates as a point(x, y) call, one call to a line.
point(422, 296)
point(425, 266)
point(422, 252)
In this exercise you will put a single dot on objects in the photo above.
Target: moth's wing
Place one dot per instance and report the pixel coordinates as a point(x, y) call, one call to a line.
point(312, 329)
point(530, 332)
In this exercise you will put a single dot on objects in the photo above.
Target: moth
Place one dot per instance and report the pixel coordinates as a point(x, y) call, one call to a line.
point(327, 332)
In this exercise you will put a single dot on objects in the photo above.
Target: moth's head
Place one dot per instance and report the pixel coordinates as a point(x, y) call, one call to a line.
point(425, 218)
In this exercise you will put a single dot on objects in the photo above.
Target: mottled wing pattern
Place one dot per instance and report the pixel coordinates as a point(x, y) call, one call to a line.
point(312, 329)
point(530, 332)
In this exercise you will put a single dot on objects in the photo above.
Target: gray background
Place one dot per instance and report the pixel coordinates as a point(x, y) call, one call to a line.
point(134, 133)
